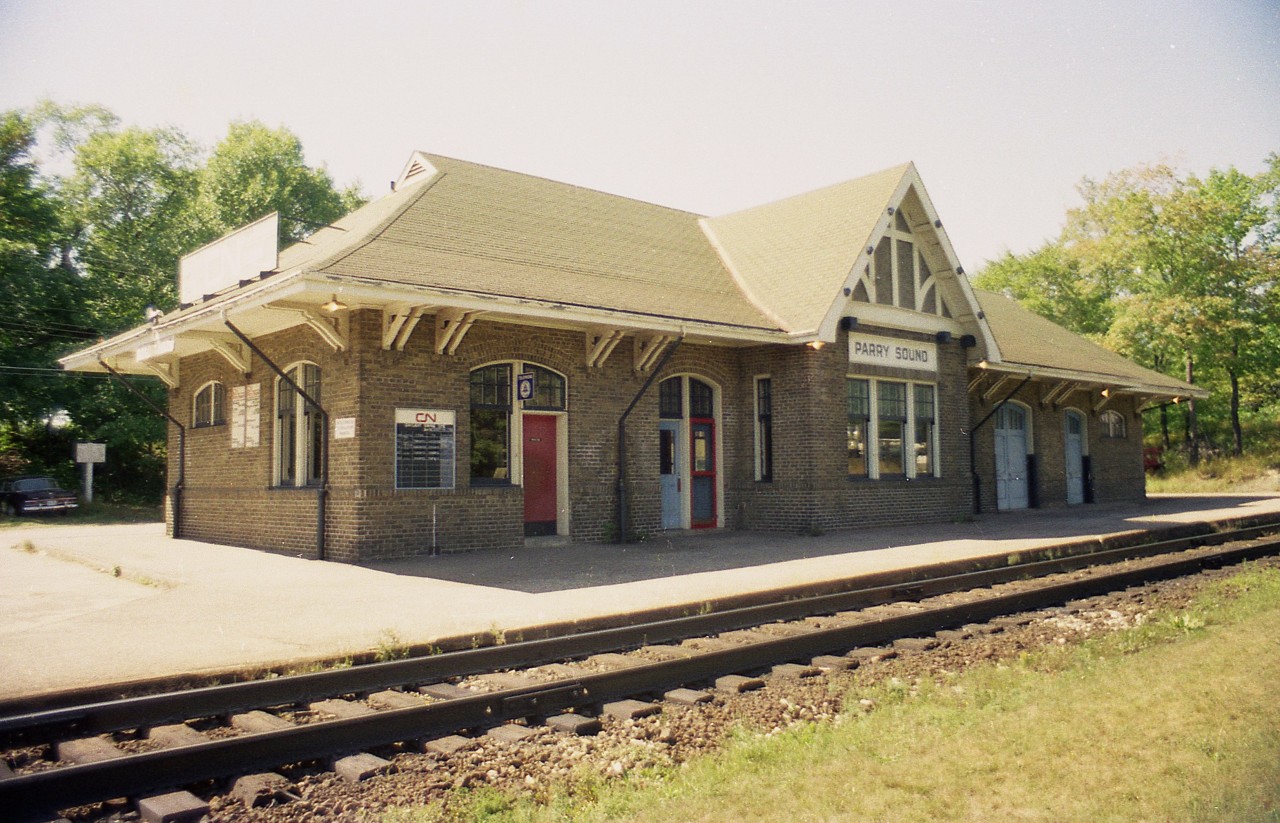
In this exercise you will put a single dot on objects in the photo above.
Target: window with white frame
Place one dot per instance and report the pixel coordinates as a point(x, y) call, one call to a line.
point(1113, 424)
point(764, 429)
point(891, 428)
point(299, 429)
point(210, 406)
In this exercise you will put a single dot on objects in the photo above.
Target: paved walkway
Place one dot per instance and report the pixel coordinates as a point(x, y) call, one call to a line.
point(86, 606)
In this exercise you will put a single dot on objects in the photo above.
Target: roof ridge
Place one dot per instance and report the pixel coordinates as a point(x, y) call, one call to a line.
point(563, 183)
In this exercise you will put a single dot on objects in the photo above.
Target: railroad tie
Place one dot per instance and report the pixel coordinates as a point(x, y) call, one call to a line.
point(574, 724)
point(88, 750)
point(509, 733)
point(357, 768)
point(447, 745)
point(393, 699)
point(795, 671)
point(446, 691)
point(630, 709)
point(340, 709)
point(738, 683)
point(255, 790)
point(174, 807)
point(259, 722)
point(686, 697)
point(833, 663)
point(178, 734)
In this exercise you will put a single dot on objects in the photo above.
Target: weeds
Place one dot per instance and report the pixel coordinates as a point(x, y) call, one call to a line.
point(390, 647)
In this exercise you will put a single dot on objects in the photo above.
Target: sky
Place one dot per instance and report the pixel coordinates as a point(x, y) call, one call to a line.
point(711, 107)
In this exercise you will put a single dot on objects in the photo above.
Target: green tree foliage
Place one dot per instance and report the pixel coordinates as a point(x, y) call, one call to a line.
point(254, 171)
point(92, 227)
point(1178, 272)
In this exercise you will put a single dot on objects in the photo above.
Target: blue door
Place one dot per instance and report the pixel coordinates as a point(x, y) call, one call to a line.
point(1075, 457)
point(671, 470)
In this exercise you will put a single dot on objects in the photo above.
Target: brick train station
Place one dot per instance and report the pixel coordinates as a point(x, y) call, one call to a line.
point(483, 358)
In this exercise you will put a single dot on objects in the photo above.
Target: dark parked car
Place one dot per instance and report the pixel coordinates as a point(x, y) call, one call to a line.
point(33, 494)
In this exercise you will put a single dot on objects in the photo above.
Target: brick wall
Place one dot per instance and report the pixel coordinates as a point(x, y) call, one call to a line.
point(229, 495)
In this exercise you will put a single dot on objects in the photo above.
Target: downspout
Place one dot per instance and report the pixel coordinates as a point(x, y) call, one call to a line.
point(322, 491)
point(622, 437)
point(176, 493)
point(973, 447)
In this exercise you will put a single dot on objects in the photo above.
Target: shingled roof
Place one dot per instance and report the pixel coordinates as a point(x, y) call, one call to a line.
point(1029, 342)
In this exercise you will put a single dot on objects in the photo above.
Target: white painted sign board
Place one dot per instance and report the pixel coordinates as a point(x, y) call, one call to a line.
point(870, 350)
point(91, 452)
point(244, 253)
point(344, 428)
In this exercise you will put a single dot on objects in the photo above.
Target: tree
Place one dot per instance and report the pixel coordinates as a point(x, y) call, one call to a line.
point(1186, 267)
point(254, 171)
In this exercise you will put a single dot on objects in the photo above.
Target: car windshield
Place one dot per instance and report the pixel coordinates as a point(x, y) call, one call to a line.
point(34, 484)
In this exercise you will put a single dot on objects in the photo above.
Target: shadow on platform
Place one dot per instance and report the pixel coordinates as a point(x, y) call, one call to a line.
point(537, 569)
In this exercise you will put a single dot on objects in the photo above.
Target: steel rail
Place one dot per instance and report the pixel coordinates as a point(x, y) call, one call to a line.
point(46, 792)
point(217, 701)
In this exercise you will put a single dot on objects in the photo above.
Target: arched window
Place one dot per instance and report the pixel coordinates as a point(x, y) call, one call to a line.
point(299, 431)
point(1113, 424)
point(210, 406)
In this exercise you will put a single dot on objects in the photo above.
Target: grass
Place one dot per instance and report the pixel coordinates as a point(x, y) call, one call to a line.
point(95, 513)
point(1175, 719)
point(1257, 472)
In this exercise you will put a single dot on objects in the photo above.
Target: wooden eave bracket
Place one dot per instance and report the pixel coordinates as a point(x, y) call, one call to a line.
point(996, 387)
point(321, 324)
point(649, 349)
point(452, 326)
point(167, 372)
point(1058, 392)
point(1103, 399)
point(601, 341)
point(233, 353)
point(977, 382)
point(398, 323)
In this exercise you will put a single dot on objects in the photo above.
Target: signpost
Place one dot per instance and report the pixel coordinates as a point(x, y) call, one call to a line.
point(87, 454)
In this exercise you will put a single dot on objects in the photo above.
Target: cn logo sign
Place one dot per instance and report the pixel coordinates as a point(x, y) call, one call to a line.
point(425, 417)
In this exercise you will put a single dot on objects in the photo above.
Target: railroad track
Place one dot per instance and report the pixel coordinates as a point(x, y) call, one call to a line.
point(418, 699)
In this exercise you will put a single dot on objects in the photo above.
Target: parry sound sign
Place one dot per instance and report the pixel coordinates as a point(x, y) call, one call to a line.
point(869, 350)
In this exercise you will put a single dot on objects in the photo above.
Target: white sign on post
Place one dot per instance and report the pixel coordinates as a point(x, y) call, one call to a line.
point(86, 455)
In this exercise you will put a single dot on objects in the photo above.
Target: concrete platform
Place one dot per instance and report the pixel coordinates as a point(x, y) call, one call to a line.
point(88, 607)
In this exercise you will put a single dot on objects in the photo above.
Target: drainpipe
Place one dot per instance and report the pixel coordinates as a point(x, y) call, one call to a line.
point(622, 438)
point(973, 448)
point(176, 493)
point(322, 491)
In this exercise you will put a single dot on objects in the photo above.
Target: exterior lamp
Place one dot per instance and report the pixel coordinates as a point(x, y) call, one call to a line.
point(334, 305)
point(815, 344)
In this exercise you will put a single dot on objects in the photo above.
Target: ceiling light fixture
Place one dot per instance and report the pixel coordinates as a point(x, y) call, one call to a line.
point(334, 305)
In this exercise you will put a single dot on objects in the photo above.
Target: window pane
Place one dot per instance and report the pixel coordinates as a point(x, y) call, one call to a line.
point(670, 399)
point(900, 222)
point(489, 456)
point(924, 402)
point(858, 412)
point(889, 447)
point(892, 399)
point(764, 429)
point(548, 389)
point(924, 447)
point(859, 400)
point(491, 386)
point(856, 433)
point(700, 399)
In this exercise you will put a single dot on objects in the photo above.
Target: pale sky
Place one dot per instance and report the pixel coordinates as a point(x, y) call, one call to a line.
point(706, 106)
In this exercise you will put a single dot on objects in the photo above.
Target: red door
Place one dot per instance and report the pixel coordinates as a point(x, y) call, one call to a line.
point(539, 474)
